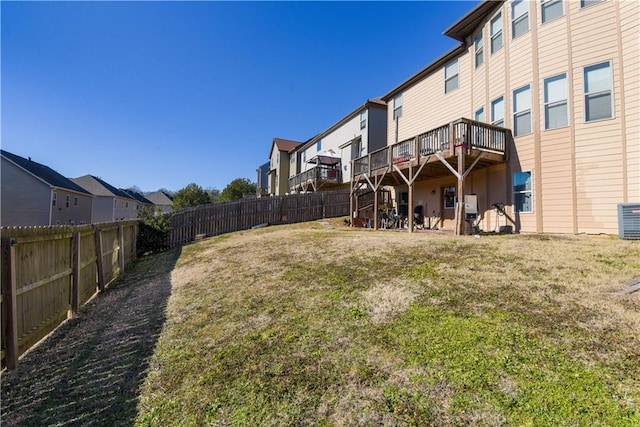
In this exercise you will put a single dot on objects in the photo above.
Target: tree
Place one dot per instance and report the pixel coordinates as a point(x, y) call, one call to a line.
point(237, 189)
point(191, 195)
point(214, 193)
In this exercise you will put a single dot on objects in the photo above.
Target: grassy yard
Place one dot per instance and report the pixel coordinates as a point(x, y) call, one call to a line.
point(319, 324)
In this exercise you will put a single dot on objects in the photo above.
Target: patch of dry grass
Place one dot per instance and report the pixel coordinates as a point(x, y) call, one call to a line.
point(322, 324)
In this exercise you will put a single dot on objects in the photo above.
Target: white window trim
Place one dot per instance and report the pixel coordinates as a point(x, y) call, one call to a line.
point(521, 112)
point(497, 34)
point(363, 120)
point(493, 120)
point(546, 104)
point(456, 75)
point(583, 6)
point(513, 193)
point(542, 5)
point(478, 48)
point(514, 19)
point(397, 109)
point(584, 83)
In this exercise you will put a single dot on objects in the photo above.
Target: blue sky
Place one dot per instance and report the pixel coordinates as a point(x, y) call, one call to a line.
point(162, 94)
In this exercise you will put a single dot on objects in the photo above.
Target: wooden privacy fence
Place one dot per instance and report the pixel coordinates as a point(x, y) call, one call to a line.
point(211, 220)
point(48, 273)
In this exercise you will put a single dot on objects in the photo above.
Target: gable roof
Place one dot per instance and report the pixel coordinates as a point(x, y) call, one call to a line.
point(44, 173)
point(459, 30)
point(286, 145)
point(139, 197)
point(98, 187)
point(159, 198)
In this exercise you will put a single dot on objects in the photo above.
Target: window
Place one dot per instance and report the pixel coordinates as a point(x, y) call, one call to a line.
point(356, 148)
point(66, 202)
point(478, 43)
point(449, 195)
point(555, 102)
point(522, 111)
point(479, 114)
point(585, 3)
point(363, 119)
point(497, 112)
point(478, 133)
point(496, 33)
point(319, 146)
point(522, 195)
point(115, 203)
point(75, 202)
point(126, 205)
point(519, 18)
point(451, 76)
point(397, 106)
point(304, 156)
point(598, 99)
point(551, 9)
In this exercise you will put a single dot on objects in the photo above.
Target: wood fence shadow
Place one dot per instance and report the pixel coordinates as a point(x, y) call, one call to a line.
point(89, 371)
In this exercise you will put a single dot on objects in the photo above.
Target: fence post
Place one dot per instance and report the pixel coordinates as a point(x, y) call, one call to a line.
point(9, 291)
point(75, 275)
point(134, 236)
point(99, 259)
point(121, 248)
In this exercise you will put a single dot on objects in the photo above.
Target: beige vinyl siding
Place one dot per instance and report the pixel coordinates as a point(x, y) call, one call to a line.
point(629, 12)
point(26, 200)
point(76, 215)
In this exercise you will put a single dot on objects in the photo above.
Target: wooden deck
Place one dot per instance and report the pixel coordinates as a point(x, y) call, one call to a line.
point(318, 177)
point(455, 149)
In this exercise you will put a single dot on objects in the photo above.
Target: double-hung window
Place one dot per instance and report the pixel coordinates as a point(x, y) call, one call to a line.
point(451, 76)
point(478, 42)
point(522, 111)
point(478, 131)
point(66, 201)
point(397, 106)
point(496, 33)
point(519, 17)
point(319, 146)
point(555, 102)
point(75, 201)
point(497, 112)
point(598, 96)
point(522, 194)
point(363, 119)
point(551, 9)
point(54, 200)
point(585, 3)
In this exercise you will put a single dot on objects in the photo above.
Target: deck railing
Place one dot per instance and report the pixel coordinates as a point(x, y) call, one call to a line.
point(320, 172)
point(463, 132)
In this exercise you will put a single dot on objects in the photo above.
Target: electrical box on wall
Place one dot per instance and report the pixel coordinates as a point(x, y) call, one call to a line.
point(471, 206)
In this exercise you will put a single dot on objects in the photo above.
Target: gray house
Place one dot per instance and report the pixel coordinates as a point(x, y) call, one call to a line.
point(35, 194)
point(110, 204)
point(262, 184)
point(142, 203)
point(162, 201)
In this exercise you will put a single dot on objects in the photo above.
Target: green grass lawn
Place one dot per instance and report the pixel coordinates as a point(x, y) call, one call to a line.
point(318, 325)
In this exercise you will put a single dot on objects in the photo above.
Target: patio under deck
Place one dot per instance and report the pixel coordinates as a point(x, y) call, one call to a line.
point(456, 149)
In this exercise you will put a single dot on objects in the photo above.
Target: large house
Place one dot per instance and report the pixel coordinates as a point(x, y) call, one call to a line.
point(161, 200)
point(532, 121)
point(110, 204)
point(324, 162)
point(262, 181)
point(282, 150)
point(142, 203)
point(34, 194)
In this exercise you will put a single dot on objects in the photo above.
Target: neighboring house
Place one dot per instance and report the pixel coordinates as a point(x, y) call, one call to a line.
point(35, 194)
point(324, 162)
point(282, 158)
point(557, 84)
point(110, 204)
point(262, 182)
point(142, 203)
point(161, 200)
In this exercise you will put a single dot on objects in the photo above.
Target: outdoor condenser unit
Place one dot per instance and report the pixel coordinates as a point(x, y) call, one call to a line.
point(629, 220)
point(471, 207)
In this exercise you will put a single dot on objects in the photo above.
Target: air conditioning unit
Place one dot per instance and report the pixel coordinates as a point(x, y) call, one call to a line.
point(629, 220)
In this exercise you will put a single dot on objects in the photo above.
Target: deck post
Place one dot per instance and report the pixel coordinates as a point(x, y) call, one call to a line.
point(410, 207)
point(375, 206)
point(460, 204)
point(351, 197)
